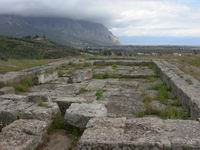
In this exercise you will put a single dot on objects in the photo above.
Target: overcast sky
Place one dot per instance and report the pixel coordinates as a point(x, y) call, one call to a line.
point(125, 18)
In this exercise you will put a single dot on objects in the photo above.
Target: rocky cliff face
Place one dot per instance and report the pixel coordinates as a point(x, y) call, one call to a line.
point(61, 30)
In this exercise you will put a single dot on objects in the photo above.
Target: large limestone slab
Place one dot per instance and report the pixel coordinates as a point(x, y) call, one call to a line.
point(23, 135)
point(96, 84)
point(65, 102)
point(78, 115)
point(81, 75)
point(46, 77)
point(13, 107)
point(140, 134)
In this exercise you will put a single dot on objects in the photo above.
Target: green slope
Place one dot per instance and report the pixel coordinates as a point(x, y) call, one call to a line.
point(33, 49)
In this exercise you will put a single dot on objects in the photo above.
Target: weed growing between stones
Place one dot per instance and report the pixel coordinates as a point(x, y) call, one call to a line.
point(163, 91)
point(114, 67)
point(172, 108)
point(151, 78)
point(24, 85)
point(83, 90)
point(118, 76)
point(155, 69)
point(57, 123)
point(61, 73)
point(72, 65)
point(170, 112)
point(105, 76)
point(99, 94)
point(41, 103)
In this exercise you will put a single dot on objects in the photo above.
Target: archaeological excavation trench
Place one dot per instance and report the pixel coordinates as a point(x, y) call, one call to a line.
point(100, 104)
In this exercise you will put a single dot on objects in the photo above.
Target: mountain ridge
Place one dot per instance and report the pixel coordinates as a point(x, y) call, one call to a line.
point(64, 31)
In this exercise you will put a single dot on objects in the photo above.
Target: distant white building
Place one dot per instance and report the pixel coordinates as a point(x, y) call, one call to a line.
point(177, 54)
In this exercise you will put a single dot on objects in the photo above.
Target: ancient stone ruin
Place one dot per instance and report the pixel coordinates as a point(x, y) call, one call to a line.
point(114, 104)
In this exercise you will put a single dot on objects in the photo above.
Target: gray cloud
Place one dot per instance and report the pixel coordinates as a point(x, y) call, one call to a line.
point(76, 9)
point(123, 17)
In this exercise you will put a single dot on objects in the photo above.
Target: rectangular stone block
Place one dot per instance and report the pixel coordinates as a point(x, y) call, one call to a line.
point(140, 134)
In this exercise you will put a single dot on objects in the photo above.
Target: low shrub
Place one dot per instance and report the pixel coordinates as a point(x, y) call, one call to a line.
point(24, 85)
point(99, 94)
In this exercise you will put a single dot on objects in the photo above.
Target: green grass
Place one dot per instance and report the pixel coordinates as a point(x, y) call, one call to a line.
point(58, 123)
point(24, 85)
point(101, 76)
point(151, 78)
point(114, 67)
point(114, 75)
point(171, 112)
point(173, 108)
point(41, 103)
point(83, 90)
point(163, 91)
point(155, 69)
point(20, 64)
point(71, 65)
point(99, 94)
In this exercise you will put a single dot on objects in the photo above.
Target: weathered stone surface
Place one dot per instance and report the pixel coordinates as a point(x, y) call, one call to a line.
point(81, 75)
point(7, 90)
point(23, 135)
point(13, 97)
point(140, 134)
point(57, 90)
point(13, 107)
point(122, 62)
point(183, 86)
point(65, 102)
point(79, 114)
point(10, 77)
point(123, 98)
point(96, 84)
point(46, 77)
point(126, 71)
point(15, 77)
point(38, 97)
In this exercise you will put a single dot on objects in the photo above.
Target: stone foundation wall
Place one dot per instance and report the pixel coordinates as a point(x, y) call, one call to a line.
point(185, 87)
point(41, 74)
point(122, 62)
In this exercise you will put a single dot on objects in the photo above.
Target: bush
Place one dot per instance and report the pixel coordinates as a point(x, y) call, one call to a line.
point(99, 94)
point(24, 85)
